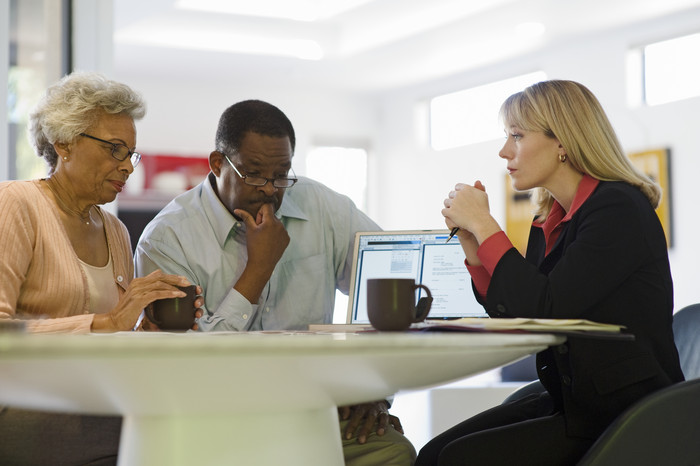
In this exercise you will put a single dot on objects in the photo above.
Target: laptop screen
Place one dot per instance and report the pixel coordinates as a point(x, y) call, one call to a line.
point(423, 255)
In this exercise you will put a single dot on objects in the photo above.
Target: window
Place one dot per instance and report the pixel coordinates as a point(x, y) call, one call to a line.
point(39, 56)
point(669, 70)
point(343, 169)
point(471, 116)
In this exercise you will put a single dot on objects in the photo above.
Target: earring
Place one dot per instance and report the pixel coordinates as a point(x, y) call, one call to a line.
point(562, 158)
point(65, 158)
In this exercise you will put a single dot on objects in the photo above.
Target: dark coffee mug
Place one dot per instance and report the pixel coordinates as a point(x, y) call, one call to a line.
point(174, 314)
point(391, 303)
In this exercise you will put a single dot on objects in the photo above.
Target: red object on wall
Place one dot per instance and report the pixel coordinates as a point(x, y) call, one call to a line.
point(195, 168)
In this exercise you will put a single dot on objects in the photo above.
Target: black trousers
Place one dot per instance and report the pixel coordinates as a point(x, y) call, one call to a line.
point(524, 432)
point(41, 438)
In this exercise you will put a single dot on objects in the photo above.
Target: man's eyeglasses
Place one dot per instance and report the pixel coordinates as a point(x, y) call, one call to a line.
point(261, 181)
point(119, 151)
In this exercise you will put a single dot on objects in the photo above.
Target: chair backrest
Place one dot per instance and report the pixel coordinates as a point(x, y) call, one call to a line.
point(686, 332)
point(662, 428)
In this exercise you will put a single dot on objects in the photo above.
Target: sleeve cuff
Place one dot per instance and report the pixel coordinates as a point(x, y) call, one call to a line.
point(233, 314)
point(80, 324)
point(480, 277)
point(492, 249)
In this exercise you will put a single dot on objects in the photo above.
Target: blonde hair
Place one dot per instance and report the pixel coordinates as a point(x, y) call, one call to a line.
point(569, 112)
point(73, 105)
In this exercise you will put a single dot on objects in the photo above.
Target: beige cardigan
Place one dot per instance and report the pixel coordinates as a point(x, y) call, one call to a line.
point(40, 275)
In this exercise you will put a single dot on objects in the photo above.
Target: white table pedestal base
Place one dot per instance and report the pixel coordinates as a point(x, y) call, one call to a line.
point(289, 438)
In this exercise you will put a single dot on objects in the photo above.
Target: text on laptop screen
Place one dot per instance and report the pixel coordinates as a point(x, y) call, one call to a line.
point(422, 255)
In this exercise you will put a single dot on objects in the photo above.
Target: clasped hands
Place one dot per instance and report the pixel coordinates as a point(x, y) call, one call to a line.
point(467, 207)
point(367, 418)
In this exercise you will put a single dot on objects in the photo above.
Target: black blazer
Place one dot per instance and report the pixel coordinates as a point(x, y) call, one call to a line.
point(609, 264)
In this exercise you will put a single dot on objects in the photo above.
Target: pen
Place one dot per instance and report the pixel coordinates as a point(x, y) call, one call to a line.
point(452, 233)
point(138, 322)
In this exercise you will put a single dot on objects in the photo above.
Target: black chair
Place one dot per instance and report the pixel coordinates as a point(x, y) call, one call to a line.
point(533, 387)
point(686, 331)
point(662, 428)
point(524, 370)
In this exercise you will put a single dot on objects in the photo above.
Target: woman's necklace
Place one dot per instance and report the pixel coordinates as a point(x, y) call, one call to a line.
point(85, 218)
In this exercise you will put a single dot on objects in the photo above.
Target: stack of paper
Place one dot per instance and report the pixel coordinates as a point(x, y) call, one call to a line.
point(487, 324)
point(525, 324)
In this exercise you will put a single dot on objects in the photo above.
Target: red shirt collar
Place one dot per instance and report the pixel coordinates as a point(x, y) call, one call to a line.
point(557, 216)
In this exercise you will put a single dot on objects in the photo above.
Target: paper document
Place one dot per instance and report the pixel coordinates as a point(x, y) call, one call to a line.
point(528, 324)
point(488, 324)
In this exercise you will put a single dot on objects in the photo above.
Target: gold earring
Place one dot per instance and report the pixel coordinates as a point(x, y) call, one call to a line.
point(65, 158)
point(562, 158)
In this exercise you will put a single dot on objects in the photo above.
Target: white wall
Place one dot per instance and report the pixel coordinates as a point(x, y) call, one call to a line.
point(92, 29)
point(407, 180)
point(182, 116)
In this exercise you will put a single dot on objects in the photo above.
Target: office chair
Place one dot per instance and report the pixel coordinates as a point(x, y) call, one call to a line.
point(662, 428)
point(686, 332)
point(524, 370)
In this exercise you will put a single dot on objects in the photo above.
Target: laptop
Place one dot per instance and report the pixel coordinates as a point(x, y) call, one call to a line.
point(423, 255)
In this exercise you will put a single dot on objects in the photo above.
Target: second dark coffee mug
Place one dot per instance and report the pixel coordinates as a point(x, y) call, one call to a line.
point(174, 314)
point(391, 303)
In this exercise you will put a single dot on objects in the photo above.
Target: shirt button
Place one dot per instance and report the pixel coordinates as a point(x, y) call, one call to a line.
point(120, 278)
point(566, 380)
point(501, 308)
point(245, 316)
point(267, 309)
point(562, 349)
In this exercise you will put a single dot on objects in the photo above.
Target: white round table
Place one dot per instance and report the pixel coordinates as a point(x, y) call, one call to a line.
point(262, 398)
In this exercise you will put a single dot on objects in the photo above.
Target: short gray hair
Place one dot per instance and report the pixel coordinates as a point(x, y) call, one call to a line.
point(74, 104)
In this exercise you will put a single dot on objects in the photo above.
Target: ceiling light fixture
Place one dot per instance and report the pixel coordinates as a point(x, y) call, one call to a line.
point(530, 29)
point(296, 10)
point(223, 42)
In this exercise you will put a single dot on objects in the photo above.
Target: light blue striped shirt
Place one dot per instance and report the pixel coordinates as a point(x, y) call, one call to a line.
point(196, 236)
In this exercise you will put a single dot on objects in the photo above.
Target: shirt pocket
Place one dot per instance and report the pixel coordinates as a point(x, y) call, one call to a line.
point(305, 291)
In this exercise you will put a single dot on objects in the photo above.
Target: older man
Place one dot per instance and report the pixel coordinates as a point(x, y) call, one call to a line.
point(269, 249)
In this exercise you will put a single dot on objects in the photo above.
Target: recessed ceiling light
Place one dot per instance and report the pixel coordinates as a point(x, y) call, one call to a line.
point(297, 10)
point(223, 42)
point(531, 29)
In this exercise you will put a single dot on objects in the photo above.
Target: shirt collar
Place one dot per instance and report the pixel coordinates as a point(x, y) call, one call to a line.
point(557, 216)
point(584, 191)
point(290, 207)
point(220, 219)
point(225, 224)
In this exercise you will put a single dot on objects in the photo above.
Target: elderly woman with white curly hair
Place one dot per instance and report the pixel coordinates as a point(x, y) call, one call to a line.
point(65, 263)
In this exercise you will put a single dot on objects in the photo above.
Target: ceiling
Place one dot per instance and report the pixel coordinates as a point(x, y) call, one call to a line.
point(352, 44)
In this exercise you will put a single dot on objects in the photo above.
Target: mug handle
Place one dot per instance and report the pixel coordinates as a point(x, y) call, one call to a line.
point(151, 317)
point(423, 306)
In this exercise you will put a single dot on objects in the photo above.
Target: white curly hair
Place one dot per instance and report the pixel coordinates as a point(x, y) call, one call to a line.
point(74, 104)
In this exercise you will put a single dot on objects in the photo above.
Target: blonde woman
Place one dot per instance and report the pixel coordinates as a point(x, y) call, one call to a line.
point(596, 251)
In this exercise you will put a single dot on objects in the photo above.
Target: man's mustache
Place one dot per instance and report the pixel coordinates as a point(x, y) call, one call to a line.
point(267, 200)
